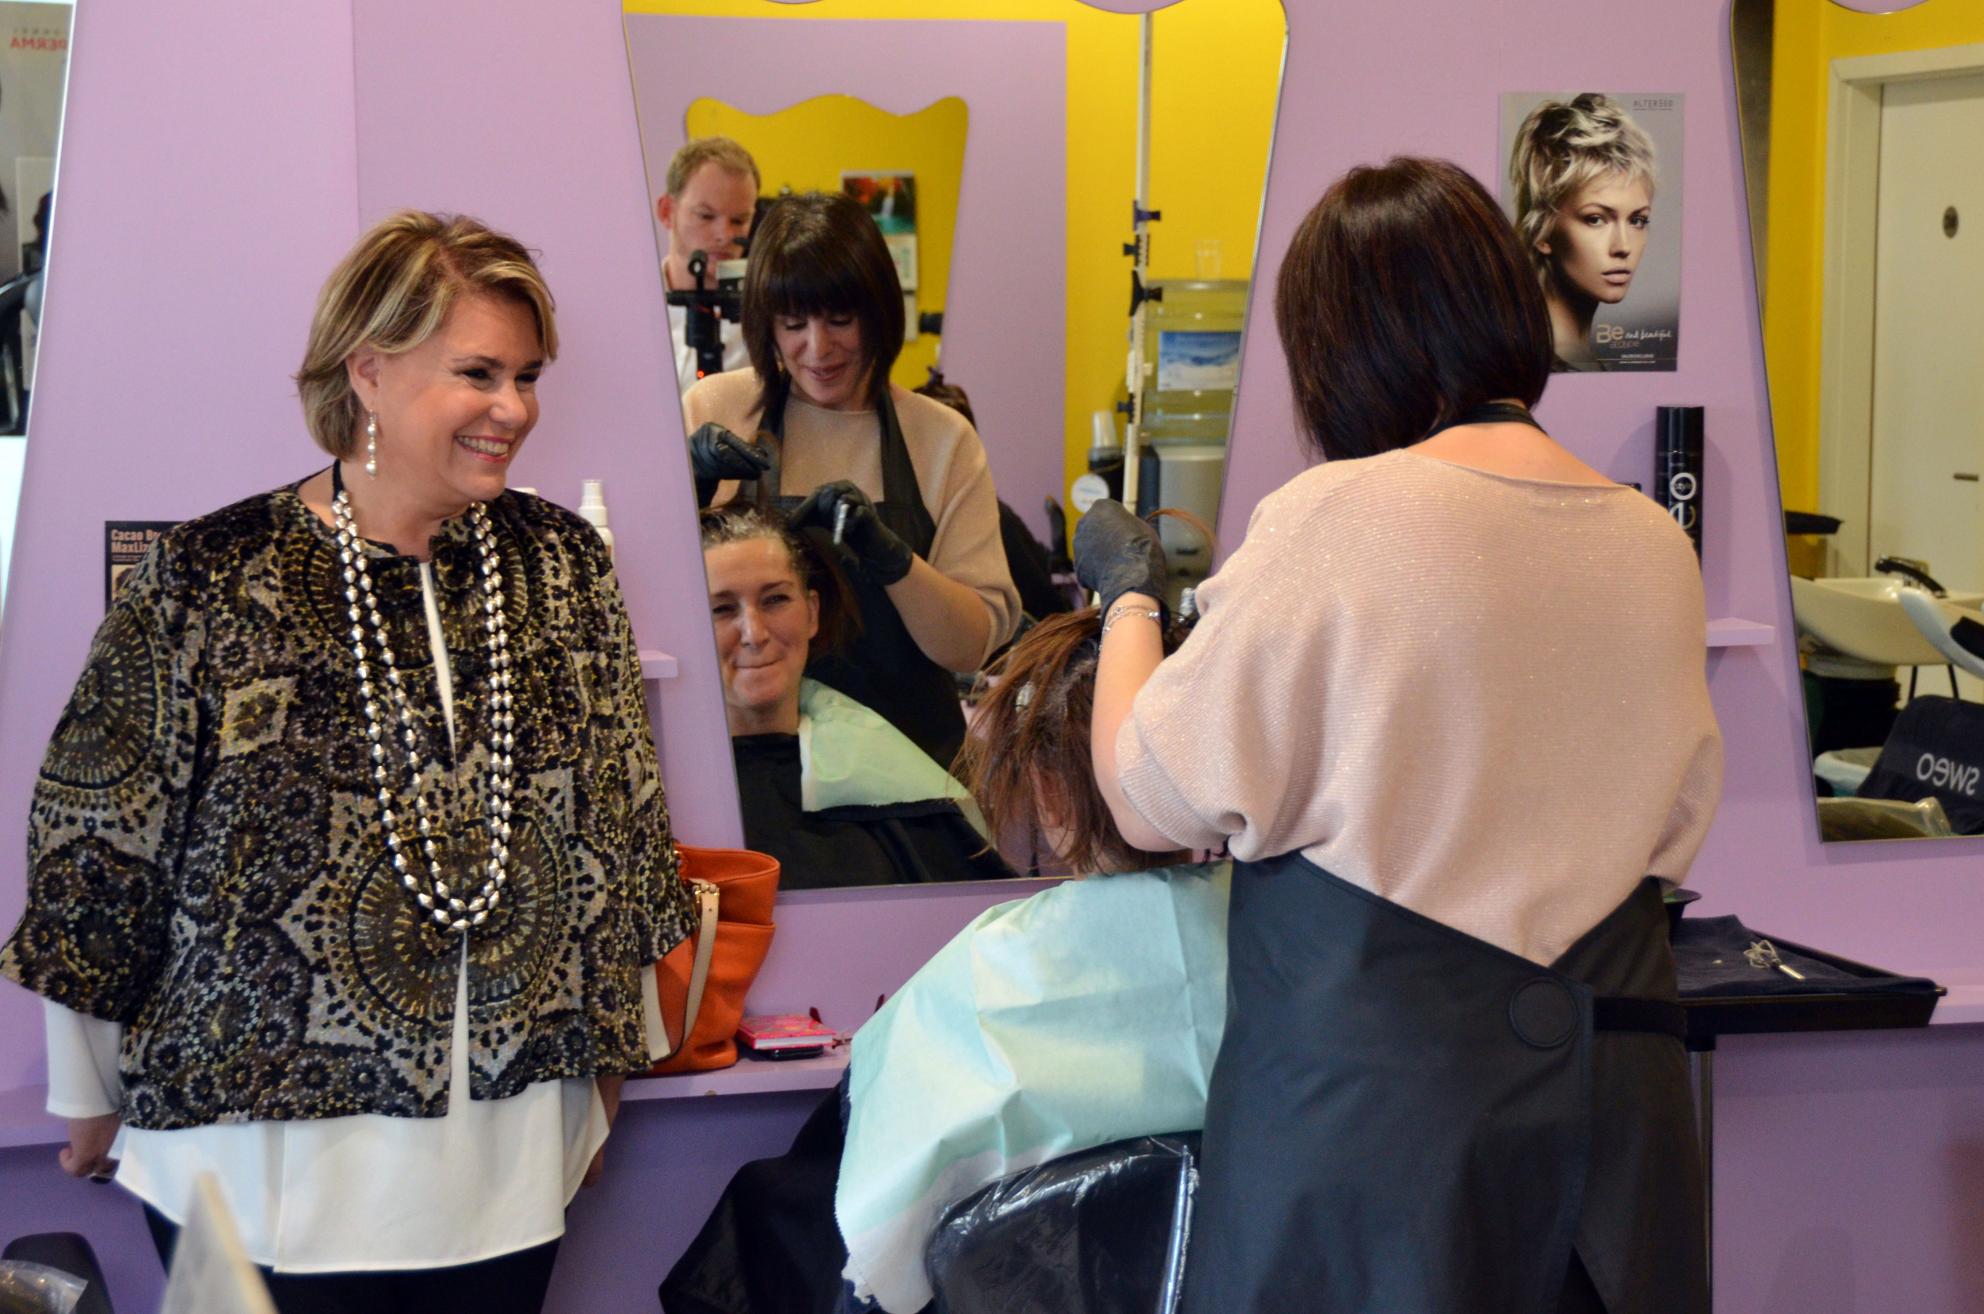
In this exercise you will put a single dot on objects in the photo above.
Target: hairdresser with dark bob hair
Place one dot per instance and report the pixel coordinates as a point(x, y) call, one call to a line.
point(899, 480)
point(1446, 707)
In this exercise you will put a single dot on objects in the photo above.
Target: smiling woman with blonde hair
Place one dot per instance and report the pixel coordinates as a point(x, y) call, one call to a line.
point(349, 861)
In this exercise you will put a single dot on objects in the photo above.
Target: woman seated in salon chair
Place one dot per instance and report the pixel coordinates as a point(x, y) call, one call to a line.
point(834, 792)
point(1082, 1016)
point(900, 482)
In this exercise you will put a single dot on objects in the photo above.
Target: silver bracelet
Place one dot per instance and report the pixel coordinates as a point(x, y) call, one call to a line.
point(1117, 613)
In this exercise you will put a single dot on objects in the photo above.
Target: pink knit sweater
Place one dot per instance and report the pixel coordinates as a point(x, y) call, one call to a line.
point(1479, 696)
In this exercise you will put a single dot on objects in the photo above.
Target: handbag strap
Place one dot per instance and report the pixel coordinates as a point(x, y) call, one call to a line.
point(699, 971)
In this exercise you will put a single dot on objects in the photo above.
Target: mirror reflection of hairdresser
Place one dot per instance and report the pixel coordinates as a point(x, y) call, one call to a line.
point(1447, 709)
point(1583, 174)
point(899, 480)
point(834, 792)
point(346, 758)
point(711, 198)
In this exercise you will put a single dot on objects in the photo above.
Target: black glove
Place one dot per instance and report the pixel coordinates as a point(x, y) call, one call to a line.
point(881, 555)
point(717, 454)
point(1116, 553)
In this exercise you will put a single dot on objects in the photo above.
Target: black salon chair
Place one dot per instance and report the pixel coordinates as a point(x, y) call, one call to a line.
point(1101, 1231)
point(70, 1253)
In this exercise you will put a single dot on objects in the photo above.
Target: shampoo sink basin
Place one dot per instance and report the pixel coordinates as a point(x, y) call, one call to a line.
point(1862, 619)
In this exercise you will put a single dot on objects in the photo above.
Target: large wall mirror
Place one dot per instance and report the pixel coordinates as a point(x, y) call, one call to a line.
point(34, 69)
point(1059, 206)
point(1860, 135)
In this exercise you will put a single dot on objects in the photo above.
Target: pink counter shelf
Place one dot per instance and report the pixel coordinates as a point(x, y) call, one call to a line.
point(23, 1120)
point(1734, 632)
point(748, 1076)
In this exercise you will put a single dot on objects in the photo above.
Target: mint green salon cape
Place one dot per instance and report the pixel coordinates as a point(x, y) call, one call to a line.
point(850, 756)
point(1089, 1013)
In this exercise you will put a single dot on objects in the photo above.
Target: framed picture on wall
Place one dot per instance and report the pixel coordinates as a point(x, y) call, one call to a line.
point(1592, 182)
point(891, 199)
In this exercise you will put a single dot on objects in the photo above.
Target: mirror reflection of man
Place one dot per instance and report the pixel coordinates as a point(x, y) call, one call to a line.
point(712, 194)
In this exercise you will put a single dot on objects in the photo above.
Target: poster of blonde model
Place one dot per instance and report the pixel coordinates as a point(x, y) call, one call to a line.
point(1592, 182)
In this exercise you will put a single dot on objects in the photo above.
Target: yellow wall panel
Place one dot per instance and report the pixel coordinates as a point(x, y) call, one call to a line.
point(1809, 36)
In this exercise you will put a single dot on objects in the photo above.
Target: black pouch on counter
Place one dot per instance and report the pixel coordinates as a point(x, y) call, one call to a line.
point(1936, 749)
point(1101, 1231)
point(1710, 961)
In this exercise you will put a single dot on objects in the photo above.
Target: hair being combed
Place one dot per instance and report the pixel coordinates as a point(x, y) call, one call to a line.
point(392, 291)
point(1562, 148)
point(722, 151)
point(1026, 760)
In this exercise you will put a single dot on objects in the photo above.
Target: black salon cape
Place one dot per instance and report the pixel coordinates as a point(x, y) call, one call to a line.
point(883, 844)
point(770, 1246)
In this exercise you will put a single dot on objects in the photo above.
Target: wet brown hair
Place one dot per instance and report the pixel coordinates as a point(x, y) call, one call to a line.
point(1026, 760)
point(820, 253)
point(1406, 300)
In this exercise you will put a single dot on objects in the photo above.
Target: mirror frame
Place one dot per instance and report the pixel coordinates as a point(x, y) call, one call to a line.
point(1852, 86)
point(802, 91)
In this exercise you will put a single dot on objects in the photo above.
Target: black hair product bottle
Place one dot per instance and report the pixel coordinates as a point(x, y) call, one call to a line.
point(1677, 467)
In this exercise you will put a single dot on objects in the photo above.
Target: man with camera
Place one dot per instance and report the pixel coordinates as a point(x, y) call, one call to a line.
point(712, 196)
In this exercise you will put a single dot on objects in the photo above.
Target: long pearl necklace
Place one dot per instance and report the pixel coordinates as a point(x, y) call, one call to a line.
point(445, 905)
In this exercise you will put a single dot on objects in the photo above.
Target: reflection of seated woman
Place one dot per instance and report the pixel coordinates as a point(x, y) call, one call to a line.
point(1583, 174)
point(830, 789)
point(905, 476)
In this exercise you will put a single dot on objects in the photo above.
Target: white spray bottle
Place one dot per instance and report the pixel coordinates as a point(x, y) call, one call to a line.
point(592, 508)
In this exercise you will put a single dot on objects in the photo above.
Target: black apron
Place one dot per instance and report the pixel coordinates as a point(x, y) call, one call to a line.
point(883, 669)
point(1404, 1118)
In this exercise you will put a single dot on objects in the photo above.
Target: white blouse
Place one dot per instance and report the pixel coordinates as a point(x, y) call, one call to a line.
point(366, 1192)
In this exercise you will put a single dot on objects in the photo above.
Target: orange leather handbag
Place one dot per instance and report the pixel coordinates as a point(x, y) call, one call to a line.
point(703, 980)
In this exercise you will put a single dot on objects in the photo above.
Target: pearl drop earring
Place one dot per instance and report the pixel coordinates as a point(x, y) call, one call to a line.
point(371, 444)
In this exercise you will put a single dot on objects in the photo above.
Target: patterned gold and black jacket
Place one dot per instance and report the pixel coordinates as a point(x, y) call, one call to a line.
point(205, 858)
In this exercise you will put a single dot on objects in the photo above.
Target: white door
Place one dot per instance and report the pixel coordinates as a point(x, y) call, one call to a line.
point(1928, 413)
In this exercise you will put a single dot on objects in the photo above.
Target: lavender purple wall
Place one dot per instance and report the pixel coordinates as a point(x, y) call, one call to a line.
point(1848, 1166)
point(207, 186)
point(1003, 323)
